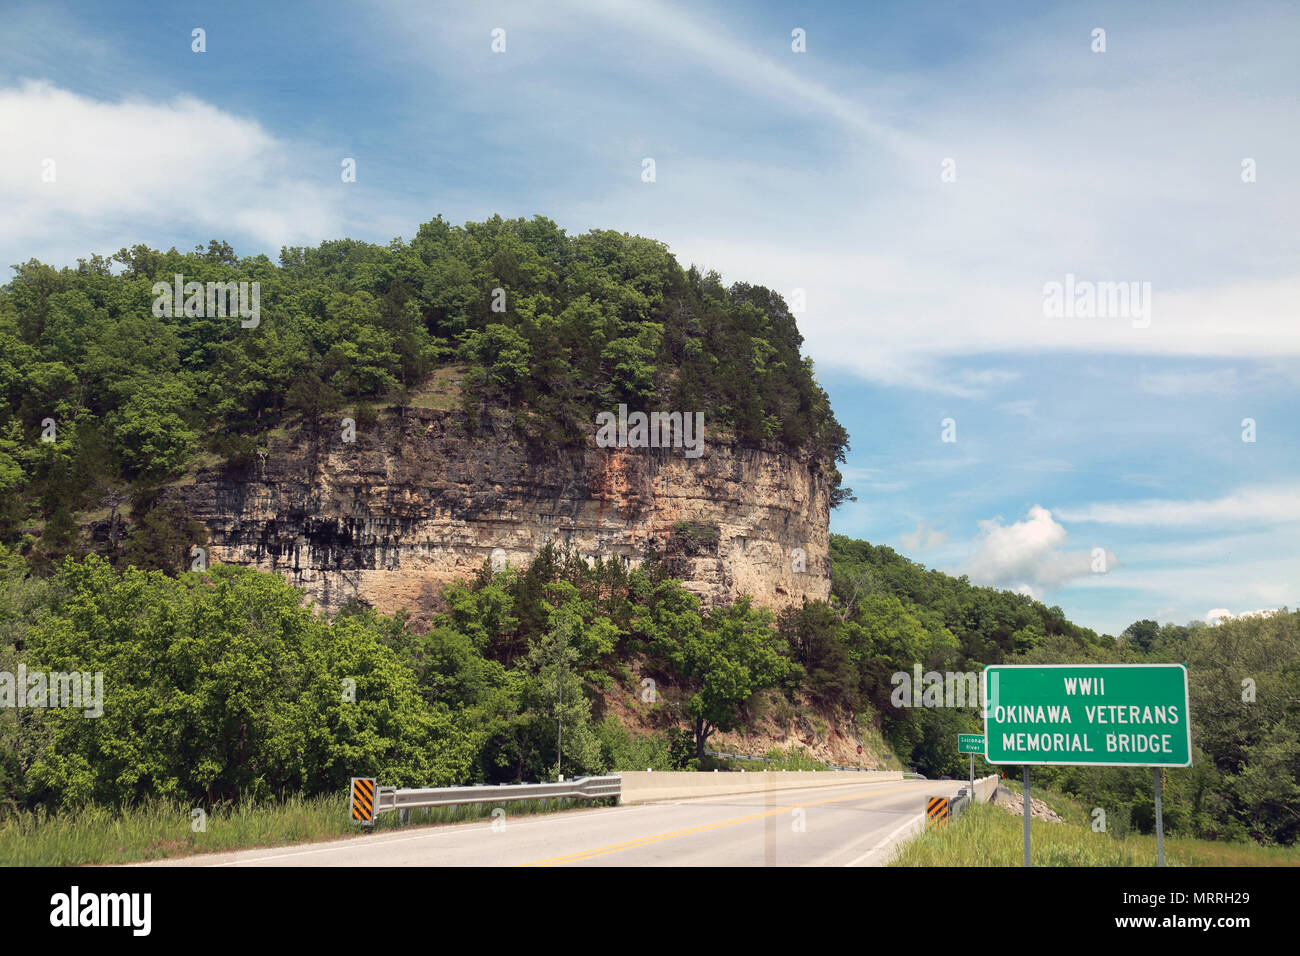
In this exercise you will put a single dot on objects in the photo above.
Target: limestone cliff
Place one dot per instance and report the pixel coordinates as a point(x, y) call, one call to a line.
point(416, 502)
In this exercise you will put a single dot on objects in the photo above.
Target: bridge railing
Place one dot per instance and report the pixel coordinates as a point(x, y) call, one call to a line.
point(388, 799)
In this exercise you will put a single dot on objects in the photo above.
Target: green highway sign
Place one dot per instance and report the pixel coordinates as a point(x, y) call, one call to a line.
point(970, 744)
point(1104, 715)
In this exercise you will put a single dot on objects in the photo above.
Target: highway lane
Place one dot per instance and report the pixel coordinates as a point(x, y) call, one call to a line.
point(813, 826)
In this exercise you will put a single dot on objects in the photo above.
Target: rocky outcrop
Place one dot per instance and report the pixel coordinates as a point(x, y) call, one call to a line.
point(1014, 803)
point(416, 501)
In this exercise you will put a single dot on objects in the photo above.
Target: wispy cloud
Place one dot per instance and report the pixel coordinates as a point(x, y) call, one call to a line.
point(708, 45)
point(1215, 382)
point(1025, 407)
point(922, 538)
point(1248, 505)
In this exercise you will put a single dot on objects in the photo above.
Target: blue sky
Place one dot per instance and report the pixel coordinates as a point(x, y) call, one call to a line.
point(921, 173)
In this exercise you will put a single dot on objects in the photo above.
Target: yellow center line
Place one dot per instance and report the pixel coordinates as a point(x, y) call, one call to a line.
point(644, 841)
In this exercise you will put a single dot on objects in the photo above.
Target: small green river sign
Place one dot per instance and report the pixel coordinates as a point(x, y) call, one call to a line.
point(970, 744)
point(1103, 715)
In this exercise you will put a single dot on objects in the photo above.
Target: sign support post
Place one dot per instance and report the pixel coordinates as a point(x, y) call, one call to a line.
point(1160, 824)
point(971, 744)
point(1026, 816)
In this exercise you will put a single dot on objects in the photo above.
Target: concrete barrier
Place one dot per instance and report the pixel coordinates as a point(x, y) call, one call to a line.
point(985, 787)
point(642, 786)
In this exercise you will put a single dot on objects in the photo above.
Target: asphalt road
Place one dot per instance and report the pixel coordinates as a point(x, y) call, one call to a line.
point(814, 826)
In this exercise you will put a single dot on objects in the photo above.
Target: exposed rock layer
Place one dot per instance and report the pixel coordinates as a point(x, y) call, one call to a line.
point(416, 502)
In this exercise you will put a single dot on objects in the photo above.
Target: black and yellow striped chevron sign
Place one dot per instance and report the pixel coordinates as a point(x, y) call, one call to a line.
point(363, 800)
point(936, 810)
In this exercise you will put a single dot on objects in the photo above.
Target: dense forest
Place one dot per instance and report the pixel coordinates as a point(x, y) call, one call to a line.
point(102, 400)
point(224, 685)
point(1244, 781)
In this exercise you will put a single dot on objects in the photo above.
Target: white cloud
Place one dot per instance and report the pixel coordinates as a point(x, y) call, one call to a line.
point(1030, 555)
point(922, 538)
point(1022, 406)
point(130, 170)
point(1248, 505)
point(1217, 382)
point(1220, 614)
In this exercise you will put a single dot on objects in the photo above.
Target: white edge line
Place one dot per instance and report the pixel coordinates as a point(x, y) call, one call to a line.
point(920, 817)
point(429, 830)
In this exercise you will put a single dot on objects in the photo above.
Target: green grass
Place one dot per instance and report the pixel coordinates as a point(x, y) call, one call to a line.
point(792, 759)
point(986, 835)
point(161, 829)
point(874, 743)
point(442, 391)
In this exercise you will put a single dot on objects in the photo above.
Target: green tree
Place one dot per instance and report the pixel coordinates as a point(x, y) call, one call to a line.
point(223, 685)
point(560, 728)
point(154, 440)
point(724, 662)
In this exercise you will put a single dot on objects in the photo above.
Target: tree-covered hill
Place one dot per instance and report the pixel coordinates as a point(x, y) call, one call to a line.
point(988, 624)
point(553, 328)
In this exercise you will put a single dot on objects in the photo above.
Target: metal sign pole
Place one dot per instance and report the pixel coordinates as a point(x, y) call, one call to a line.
point(1160, 824)
point(972, 778)
point(1026, 816)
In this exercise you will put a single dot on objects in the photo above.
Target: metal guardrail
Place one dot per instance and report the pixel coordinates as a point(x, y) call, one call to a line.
point(959, 803)
point(718, 753)
point(388, 799)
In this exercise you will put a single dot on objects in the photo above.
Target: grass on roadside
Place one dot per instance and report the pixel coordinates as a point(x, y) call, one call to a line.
point(162, 829)
point(776, 761)
point(986, 835)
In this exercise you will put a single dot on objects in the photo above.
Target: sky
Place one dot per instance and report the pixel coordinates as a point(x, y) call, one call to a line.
point(1048, 276)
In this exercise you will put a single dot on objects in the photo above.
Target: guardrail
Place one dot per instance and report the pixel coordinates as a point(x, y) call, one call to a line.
point(388, 799)
point(957, 804)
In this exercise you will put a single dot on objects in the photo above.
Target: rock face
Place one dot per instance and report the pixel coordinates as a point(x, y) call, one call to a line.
point(416, 502)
